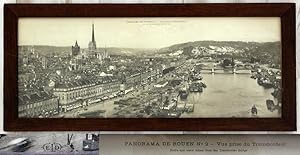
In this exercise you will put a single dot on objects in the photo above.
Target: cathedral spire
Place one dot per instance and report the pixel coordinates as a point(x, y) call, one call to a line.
point(92, 43)
point(93, 36)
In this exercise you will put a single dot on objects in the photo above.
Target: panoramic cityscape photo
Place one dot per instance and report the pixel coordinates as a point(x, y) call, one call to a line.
point(149, 67)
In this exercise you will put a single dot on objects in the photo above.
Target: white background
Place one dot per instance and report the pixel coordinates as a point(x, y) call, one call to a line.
point(150, 1)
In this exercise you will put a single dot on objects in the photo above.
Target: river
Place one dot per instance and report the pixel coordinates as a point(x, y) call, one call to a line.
point(226, 95)
point(230, 95)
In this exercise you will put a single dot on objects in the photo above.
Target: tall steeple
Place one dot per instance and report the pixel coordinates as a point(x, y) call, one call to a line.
point(92, 43)
point(93, 35)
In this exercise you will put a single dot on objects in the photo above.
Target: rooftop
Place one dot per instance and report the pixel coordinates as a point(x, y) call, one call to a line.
point(85, 82)
point(34, 97)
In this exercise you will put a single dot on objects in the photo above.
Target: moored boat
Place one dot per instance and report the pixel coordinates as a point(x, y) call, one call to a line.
point(189, 108)
point(270, 105)
point(183, 94)
point(196, 87)
point(196, 76)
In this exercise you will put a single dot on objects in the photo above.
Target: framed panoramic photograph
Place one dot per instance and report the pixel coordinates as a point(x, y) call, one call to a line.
point(195, 67)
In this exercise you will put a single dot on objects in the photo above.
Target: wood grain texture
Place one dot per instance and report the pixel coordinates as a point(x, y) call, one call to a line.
point(285, 11)
point(190, 1)
point(185, 1)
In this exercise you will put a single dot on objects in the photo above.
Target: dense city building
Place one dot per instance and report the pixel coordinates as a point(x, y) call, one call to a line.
point(38, 105)
point(75, 94)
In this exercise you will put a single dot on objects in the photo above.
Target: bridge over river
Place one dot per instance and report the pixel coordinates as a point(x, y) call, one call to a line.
point(215, 68)
point(222, 70)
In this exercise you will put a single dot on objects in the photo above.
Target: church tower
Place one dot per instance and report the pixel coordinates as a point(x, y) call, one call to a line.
point(92, 44)
point(75, 49)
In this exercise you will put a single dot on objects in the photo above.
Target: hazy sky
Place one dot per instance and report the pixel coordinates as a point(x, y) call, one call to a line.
point(145, 32)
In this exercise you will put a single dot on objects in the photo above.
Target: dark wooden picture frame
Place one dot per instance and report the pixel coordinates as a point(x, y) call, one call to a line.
point(286, 11)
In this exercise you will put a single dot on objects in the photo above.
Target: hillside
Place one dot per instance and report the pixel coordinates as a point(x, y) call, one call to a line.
point(266, 51)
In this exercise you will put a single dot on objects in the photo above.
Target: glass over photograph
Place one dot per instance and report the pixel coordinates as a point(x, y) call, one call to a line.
point(149, 67)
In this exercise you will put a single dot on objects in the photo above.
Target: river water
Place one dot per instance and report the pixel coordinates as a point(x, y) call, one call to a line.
point(230, 95)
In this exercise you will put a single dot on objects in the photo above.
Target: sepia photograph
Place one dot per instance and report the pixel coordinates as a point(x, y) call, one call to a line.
point(149, 67)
